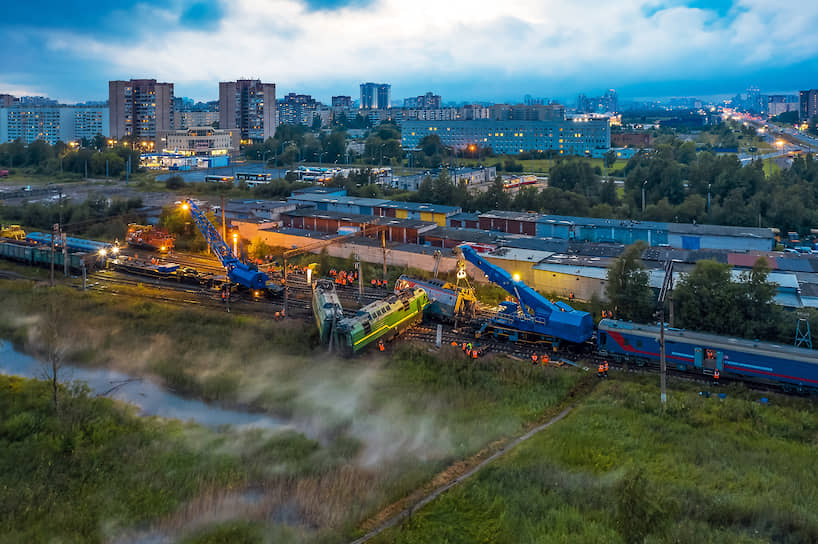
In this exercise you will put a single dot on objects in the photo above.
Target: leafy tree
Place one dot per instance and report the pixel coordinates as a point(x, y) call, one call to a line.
point(628, 288)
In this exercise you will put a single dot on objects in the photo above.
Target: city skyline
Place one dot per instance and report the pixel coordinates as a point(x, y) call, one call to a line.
point(644, 49)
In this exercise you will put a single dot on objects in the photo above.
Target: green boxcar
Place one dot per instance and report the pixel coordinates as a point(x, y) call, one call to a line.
point(326, 307)
point(384, 320)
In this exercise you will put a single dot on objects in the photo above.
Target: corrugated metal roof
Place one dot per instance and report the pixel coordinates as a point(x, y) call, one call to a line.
point(512, 216)
point(748, 260)
point(418, 207)
point(518, 254)
point(718, 230)
point(593, 272)
point(795, 264)
point(600, 222)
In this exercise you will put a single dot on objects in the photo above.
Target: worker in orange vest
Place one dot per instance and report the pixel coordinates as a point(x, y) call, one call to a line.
point(605, 366)
point(716, 377)
point(474, 354)
point(381, 347)
point(601, 370)
point(534, 359)
point(544, 360)
point(454, 343)
point(463, 347)
point(374, 282)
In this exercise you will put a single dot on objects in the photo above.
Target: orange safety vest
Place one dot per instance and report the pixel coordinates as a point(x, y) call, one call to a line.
point(716, 374)
point(601, 369)
point(454, 344)
point(545, 359)
point(381, 347)
point(534, 357)
point(474, 354)
point(606, 366)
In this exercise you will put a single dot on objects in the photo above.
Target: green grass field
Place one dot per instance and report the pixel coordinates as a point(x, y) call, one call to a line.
point(542, 165)
point(619, 469)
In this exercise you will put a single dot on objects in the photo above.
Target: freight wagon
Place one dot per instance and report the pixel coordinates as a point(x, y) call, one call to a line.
point(793, 368)
point(34, 255)
point(381, 320)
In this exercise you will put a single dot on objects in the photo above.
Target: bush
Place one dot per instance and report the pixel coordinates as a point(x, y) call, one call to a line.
point(175, 182)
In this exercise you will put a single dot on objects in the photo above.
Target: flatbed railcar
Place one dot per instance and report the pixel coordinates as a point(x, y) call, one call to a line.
point(72, 243)
point(791, 367)
point(381, 320)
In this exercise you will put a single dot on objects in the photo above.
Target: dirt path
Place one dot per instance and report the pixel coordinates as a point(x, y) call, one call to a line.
point(393, 519)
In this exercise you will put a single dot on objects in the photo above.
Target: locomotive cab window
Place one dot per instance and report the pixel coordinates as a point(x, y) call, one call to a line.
point(603, 338)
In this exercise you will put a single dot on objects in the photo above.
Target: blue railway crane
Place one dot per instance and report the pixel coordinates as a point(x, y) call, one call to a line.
point(533, 317)
point(237, 271)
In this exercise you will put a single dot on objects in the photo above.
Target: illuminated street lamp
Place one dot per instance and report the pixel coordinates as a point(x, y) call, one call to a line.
point(235, 244)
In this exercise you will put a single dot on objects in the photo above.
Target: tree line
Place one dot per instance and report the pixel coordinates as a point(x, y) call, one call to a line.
point(40, 158)
point(708, 298)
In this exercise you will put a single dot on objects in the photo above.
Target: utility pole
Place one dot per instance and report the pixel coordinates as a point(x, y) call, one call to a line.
point(643, 195)
point(383, 247)
point(360, 279)
point(667, 285)
point(54, 229)
point(286, 289)
point(64, 255)
point(224, 222)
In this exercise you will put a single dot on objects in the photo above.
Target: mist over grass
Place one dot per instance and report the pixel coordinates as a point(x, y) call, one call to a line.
point(359, 433)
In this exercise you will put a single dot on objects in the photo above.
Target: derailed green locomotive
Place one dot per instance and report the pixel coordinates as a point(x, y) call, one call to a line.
point(381, 320)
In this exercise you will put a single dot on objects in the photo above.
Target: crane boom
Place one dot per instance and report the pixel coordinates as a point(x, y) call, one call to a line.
point(533, 313)
point(237, 271)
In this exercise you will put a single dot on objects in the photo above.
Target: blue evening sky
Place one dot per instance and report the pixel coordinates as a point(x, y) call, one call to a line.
point(464, 50)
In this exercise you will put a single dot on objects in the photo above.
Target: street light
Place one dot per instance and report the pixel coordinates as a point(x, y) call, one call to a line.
point(235, 244)
point(643, 195)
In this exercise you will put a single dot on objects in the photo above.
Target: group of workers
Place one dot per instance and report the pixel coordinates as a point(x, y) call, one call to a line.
point(280, 315)
point(607, 314)
point(543, 359)
point(470, 351)
point(602, 371)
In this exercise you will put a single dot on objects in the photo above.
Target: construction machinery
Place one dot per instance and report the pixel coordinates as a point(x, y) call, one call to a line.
point(12, 231)
point(532, 317)
point(149, 237)
point(243, 274)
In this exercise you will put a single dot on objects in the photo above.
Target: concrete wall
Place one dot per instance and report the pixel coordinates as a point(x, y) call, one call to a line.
point(369, 254)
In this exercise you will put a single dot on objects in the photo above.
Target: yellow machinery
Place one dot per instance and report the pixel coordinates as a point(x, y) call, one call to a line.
point(12, 231)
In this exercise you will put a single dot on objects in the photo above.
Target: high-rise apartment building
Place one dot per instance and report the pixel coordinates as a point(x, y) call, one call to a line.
point(7, 100)
point(52, 123)
point(250, 106)
point(343, 102)
point(376, 96)
point(808, 104)
point(428, 101)
point(140, 109)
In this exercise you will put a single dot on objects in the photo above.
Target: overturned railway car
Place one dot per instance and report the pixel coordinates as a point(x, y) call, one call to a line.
point(447, 301)
point(326, 307)
point(792, 368)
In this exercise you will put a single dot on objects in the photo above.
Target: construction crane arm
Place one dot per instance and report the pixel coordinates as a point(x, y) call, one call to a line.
point(526, 296)
point(212, 237)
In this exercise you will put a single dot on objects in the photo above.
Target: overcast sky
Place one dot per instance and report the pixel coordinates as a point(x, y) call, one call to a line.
point(463, 50)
